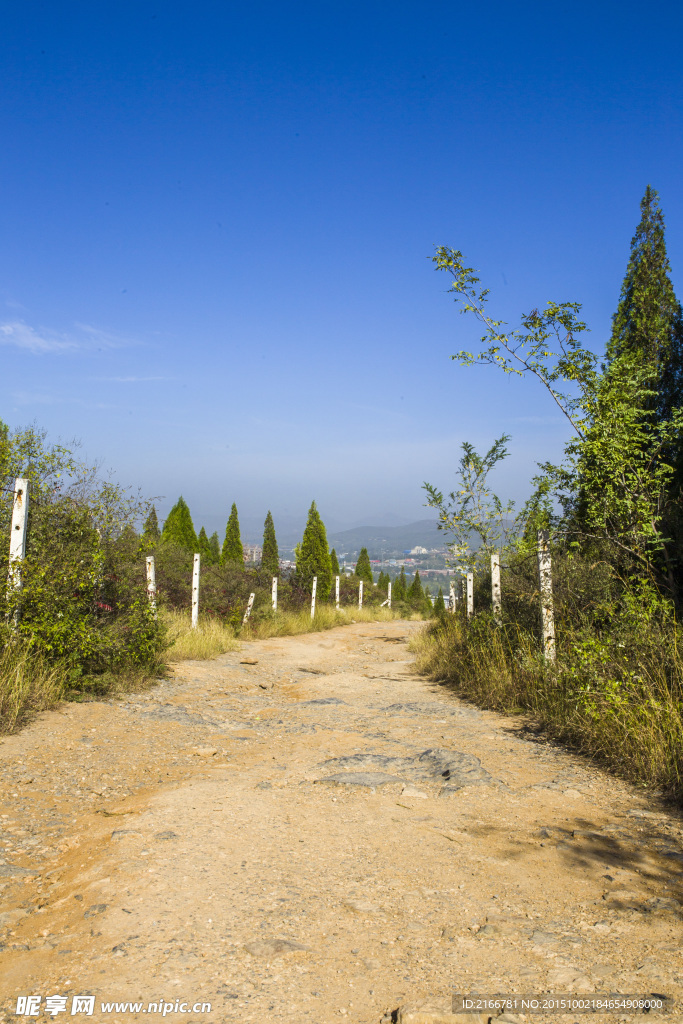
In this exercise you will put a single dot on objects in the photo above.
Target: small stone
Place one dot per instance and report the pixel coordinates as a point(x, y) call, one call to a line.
point(265, 685)
point(13, 870)
point(97, 908)
point(413, 791)
point(249, 661)
point(274, 947)
point(570, 977)
point(204, 751)
point(361, 906)
point(166, 835)
point(572, 794)
point(10, 917)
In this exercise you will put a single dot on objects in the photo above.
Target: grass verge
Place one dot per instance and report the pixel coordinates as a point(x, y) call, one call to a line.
point(28, 684)
point(326, 617)
point(211, 637)
point(630, 721)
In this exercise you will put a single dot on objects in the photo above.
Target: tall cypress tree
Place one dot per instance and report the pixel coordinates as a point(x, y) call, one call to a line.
point(363, 567)
point(204, 548)
point(232, 545)
point(440, 604)
point(415, 592)
point(178, 528)
point(400, 587)
point(334, 563)
point(151, 533)
point(313, 555)
point(270, 559)
point(648, 324)
point(215, 546)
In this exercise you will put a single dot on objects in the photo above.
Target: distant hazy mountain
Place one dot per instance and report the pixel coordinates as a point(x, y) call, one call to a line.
point(389, 539)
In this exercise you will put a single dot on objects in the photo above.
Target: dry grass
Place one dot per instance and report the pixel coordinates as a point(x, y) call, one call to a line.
point(208, 640)
point(631, 724)
point(326, 617)
point(28, 684)
point(212, 637)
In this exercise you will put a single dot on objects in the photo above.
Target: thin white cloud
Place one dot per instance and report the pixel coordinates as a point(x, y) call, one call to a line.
point(83, 338)
point(22, 335)
point(97, 338)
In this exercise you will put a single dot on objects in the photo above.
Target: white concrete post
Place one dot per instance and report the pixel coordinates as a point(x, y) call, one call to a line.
point(274, 594)
point(495, 589)
point(151, 584)
point(360, 594)
point(470, 595)
point(195, 591)
point(250, 605)
point(315, 587)
point(546, 588)
point(336, 591)
point(389, 594)
point(451, 598)
point(17, 540)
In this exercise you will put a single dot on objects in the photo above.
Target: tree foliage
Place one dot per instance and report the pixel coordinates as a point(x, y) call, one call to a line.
point(415, 591)
point(363, 567)
point(204, 548)
point(82, 599)
point(178, 528)
point(615, 482)
point(474, 509)
point(334, 563)
point(232, 545)
point(648, 325)
point(399, 591)
point(270, 559)
point(151, 534)
point(313, 556)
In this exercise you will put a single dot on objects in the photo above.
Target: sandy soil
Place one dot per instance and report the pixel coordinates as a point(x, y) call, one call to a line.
point(321, 836)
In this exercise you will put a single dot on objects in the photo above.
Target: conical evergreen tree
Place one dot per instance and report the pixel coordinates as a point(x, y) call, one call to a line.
point(648, 323)
point(215, 546)
point(151, 533)
point(232, 545)
point(334, 563)
point(400, 588)
point(440, 604)
point(178, 528)
point(270, 559)
point(415, 592)
point(203, 547)
point(363, 567)
point(313, 555)
point(383, 581)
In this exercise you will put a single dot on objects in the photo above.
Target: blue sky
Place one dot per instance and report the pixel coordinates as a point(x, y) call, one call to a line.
point(217, 220)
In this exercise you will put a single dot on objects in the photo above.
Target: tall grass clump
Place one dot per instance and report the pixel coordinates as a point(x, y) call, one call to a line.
point(28, 684)
point(211, 637)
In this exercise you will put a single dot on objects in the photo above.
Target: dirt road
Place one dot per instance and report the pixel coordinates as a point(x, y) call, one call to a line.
point(321, 836)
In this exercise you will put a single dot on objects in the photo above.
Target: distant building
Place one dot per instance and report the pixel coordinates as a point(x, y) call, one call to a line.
point(252, 552)
point(419, 551)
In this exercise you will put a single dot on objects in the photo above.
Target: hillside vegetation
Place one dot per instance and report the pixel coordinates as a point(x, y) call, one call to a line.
point(613, 513)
